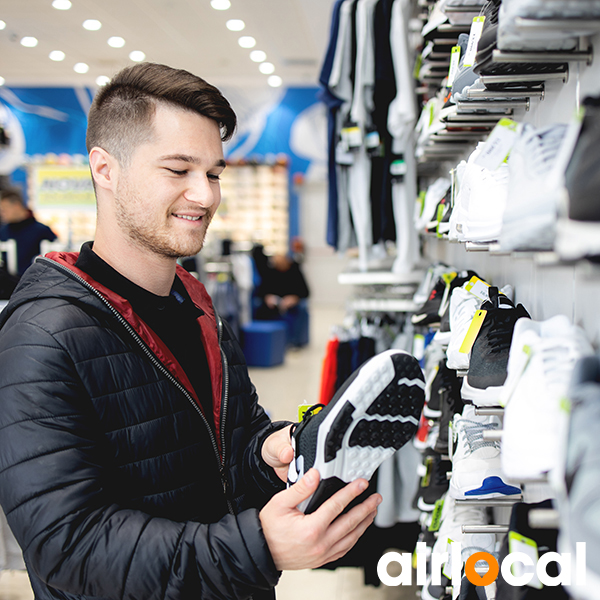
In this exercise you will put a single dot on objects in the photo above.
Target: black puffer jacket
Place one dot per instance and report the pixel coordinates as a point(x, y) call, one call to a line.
point(110, 477)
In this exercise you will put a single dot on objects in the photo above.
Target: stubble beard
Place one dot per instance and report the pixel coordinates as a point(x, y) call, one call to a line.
point(160, 240)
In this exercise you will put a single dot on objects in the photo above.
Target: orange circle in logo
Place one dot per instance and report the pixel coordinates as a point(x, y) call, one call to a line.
point(474, 577)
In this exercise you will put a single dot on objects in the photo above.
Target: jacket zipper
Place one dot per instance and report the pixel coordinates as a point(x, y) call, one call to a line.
point(167, 373)
point(224, 405)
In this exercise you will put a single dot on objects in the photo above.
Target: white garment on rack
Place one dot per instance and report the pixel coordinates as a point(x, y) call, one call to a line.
point(404, 194)
point(339, 80)
point(364, 84)
point(398, 482)
point(403, 109)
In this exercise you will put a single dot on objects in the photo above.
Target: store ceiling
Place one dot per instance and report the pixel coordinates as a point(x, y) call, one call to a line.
point(185, 34)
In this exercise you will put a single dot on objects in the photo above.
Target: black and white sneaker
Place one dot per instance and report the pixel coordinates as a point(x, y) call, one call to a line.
point(372, 415)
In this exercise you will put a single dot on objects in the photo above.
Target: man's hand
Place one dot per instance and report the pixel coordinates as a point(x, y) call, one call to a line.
point(299, 541)
point(277, 452)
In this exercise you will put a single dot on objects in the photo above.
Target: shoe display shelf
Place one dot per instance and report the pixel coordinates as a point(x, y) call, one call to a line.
point(254, 206)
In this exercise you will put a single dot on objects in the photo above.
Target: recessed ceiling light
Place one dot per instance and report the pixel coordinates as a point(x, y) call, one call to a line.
point(62, 4)
point(92, 24)
point(116, 41)
point(29, 42)
point(2, 81)
point(81, 68)
point(266, 68)
point(137, 56)
point(258, 56)
point(2, 24)
point(235, 25)
point(275, 81)
point(102, 80)
point(247, 41)
point(220, 4)
point(57, 55)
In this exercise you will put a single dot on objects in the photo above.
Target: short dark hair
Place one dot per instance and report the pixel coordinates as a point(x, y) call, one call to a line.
point(13, 195)
point(122, 112)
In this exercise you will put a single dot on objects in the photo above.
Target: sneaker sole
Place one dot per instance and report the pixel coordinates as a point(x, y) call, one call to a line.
point(376, 414)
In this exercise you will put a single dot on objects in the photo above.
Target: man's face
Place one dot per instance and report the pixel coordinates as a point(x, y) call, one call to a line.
point(167, 195)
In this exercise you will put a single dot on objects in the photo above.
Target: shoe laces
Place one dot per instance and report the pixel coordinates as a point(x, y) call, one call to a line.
point(558, 358)
point(310, 412)
point(500, 333)
point(473, 434)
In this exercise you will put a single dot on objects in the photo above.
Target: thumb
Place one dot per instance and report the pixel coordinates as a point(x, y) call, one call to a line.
point(302, 489)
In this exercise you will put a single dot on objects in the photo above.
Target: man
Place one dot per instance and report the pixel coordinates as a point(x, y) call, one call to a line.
point(19, 224)
point(135, 460)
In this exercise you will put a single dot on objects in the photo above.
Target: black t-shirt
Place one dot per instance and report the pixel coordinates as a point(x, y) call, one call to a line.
point(173, 318)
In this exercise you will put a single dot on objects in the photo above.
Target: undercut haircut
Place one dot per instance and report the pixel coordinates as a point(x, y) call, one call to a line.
point(122, 113)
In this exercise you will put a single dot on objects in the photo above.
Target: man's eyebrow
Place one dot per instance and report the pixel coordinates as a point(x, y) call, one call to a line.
point(191, 159)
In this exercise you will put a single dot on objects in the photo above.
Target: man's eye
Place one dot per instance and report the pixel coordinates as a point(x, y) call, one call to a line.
point(214, 177)
point(176, 172)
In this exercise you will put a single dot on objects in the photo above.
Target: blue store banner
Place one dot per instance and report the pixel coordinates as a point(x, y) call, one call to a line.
point(288, 121)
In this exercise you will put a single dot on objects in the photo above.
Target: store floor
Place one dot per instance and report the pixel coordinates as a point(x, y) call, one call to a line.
point(281, 389)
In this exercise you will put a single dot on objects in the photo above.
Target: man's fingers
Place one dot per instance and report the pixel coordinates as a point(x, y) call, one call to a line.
point(335, 505)
point(342, 546)
point(353, 518)
point(286, 454)
point(301, 490)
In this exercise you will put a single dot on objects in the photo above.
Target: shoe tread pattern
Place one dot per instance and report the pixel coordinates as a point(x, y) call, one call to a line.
point(335, 436)
point(404, 400)
point(381, 434)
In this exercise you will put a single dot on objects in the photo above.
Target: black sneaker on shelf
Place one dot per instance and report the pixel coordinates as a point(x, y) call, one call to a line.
point(451, 403)
point(372, 415)
point(429, 313)
point(579, 225)
point(434, 483)
point(489, 354)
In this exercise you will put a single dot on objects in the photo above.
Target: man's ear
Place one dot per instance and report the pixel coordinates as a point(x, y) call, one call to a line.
point(103, 167)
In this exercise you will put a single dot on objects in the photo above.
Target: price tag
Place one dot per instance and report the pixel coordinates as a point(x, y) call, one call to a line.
point(352, 136)
point(520, 543)
point(474, 35)
point(436, 515)
point(454, 62)
point(302, 408)
point(474, 328)
point(499, 144)
point(478, 288)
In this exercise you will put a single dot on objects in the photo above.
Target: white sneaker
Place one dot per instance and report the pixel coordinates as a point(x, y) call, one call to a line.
point(435, 192)
point(514, 38)
point(542, 357)
point(452, 520)
point(480, 202)
point(476, 466)
point(463, 306)
point(529, 221)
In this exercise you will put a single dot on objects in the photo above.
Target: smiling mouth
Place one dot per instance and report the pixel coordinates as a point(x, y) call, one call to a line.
point(187, 217)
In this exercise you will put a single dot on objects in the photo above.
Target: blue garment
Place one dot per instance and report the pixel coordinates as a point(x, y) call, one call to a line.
point(27, 234)
point(333, 104)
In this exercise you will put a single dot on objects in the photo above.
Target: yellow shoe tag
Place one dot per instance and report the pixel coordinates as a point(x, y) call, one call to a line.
point(474, 328)
point(520, 543)
point(478, 288)
point(302, 408)
point(436, 515)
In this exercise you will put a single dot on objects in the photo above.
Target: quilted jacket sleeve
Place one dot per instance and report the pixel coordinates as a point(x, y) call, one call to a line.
point(260, 480)
point(74, 538)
